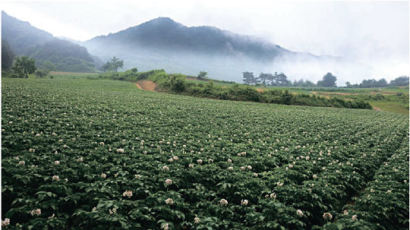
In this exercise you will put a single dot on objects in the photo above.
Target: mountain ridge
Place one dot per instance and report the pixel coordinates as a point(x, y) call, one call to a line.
point(165, 33)
point(163, 43)
point(63, 55)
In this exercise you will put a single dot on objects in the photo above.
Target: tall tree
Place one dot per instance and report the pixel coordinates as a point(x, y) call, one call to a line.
point(202, 75)
point(248, 78)
point(265, 77)
point(106, 67)
point(23, 66)
point(282, 80)
point(113, 65)
point(382, 83)
point(117, 63)
point(328, 81)
point(400, 81)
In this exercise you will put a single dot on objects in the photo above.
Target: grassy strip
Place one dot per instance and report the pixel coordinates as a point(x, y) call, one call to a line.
point(177, 83)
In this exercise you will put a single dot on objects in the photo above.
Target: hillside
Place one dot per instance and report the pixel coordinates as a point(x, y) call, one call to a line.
point(24, 39)
point(21, 36)
point(165, 34)
point(164, 43)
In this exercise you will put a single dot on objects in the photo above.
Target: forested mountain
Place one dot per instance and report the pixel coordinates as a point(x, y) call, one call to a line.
point(165, 34)
point(164, 43)
point(50, 52)
point(65, 55)
point(160, 43)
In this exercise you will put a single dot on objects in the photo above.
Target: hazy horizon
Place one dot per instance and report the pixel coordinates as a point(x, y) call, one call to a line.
point(372, 36)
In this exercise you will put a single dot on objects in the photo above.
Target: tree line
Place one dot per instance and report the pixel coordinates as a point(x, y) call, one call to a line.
point(268, 79)
point(328, 80)
point(373, 83)
point(22, 66)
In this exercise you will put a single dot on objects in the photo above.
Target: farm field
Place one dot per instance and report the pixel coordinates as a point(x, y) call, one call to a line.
point(390, 99)
point(102, 154)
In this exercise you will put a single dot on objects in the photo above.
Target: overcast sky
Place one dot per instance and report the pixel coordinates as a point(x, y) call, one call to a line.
point(367, 31)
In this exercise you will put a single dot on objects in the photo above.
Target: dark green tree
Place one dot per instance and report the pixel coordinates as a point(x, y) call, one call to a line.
point(113, 65)
point(248, 78)
point(264, 78)
point(41, 73)
point(202, 75)
point(23, 66)
point(381, 83)
point(116, 63)
point(106, 67)
point(281, 79)
point(177, 84)
point(327, 81)
point(400, 81)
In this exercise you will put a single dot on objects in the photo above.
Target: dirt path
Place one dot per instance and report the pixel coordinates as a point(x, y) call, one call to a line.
point(146, 85)
point(138, 86)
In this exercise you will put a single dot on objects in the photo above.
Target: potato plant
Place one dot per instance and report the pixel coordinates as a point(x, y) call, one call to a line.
point(101, 154)
point(384, 204)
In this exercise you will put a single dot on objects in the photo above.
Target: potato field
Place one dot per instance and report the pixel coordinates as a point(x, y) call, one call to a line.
point(102, 154)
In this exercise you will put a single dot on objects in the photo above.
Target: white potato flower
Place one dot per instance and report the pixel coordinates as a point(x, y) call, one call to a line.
point(327, 216)
point(354, 217)
point(168, 181)
point(244, 202)
point(120, 150)
point(35, 212)
point(299, 213)
point(169, 201)
point(223, 202)
point(5, 222)
point(127, 193)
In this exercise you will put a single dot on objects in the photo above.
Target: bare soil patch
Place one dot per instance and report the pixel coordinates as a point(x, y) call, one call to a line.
point(146, 85)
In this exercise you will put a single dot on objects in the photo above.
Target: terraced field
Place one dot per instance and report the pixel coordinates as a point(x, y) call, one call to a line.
point(100, 154)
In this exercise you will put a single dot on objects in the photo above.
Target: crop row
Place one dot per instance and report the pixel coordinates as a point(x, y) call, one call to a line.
point(384, 204)
point(101, 154)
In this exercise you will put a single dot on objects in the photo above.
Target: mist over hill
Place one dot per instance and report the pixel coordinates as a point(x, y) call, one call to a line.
point(164, 43)
point(62, 55)
point(167, 35)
